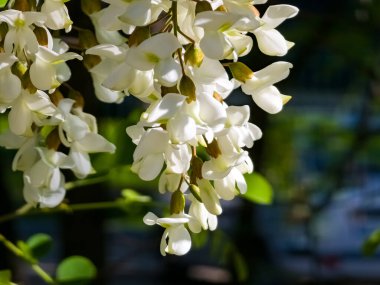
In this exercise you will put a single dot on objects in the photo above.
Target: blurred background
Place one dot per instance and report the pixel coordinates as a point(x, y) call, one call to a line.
point(321, 155)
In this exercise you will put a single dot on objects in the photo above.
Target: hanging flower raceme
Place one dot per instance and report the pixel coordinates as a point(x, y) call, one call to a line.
point(33, 63)
point(182, 59)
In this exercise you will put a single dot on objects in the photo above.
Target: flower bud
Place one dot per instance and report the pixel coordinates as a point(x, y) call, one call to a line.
point(213, 149)
point(27, 83)
point(56, 97)
point(196, 169)
point(194, 189)
point(3, 30)
point(89, 7)
point(221, 8)
point(165, 90)
point(139, 35)
point(187, 88)
point(19, 69)
point(194, 56)
point(52, 140)
point(24, 5)
point(77, 96)
point(177, 202)
point(91, 60)
point(202, 6)
point(41, 36)
point(87, 39)
point(240, 71)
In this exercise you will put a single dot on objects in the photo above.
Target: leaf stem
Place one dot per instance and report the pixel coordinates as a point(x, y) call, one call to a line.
point(35, 266)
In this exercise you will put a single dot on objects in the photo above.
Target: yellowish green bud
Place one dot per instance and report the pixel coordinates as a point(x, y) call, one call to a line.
point(18, 69)
point(177, 202)
point(194, 189)
point(240, 71)
point(187, 88)
point(194, 56)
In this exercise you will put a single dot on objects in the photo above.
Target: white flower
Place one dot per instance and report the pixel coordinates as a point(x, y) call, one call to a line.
point(79, 132)
point(229, 186)
point(28, 109)
point(223, 36)
point(57, 15)
point(270, 41)
point(212, 75)
point(44, 182)
point(48, 70)
point(26, 154)
point(20, 35)
point(175, 239)
point(10, 84)
point(260, 86)
point(209, 197)
point(148, 158)
point(201, 218)
point(156, 53)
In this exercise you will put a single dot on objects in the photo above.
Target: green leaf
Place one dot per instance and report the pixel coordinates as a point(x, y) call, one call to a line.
point(258, 189)
point(240, 265)
point(371, 244)
point(5, 277)
point(26, 251)
point(75, 270)
point(3, 3)
point(39, 245)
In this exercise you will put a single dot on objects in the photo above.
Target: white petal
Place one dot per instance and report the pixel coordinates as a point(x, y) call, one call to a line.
point(276, 14)
point(209, 197)
point(271, 42)
point(167, 72)
point(150, 219)
point(269, 99)
point(95, 143)
point(179, 240)
point(151, 166)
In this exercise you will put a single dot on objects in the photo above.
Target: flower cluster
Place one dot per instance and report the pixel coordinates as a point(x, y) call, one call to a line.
point(49, 130)
point(182, 58)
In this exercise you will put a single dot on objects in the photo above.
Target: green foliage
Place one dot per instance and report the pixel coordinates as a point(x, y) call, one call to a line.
point(371, 244)
point(39, 245)
point(3, 3)
point(75, 270)
point(5, 277)
point(258, 189)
